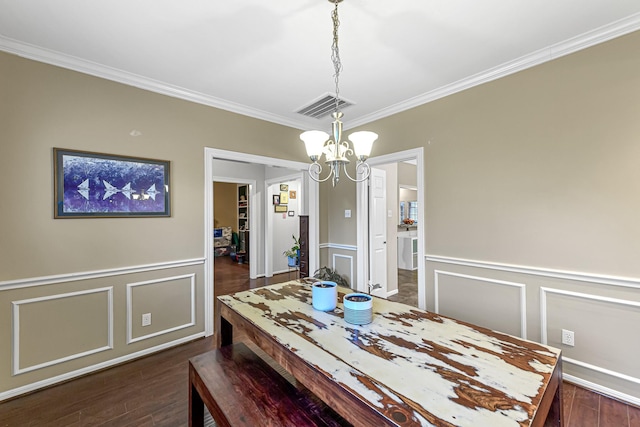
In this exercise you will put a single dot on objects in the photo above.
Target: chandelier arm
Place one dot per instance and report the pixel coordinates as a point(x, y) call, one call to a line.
point(318, 171)
point(360, 165)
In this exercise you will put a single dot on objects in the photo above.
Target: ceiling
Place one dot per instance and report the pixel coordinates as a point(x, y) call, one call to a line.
point(267, 59)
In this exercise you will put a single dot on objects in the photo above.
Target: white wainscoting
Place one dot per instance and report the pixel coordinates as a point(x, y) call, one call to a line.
point(544, 322)
point(87, 275)
point(130, 286)
point(520, 286)
point(338, 246)
point(16, 367)
point(626, 282)
point(349, 259)
point(75, 277)
point(572, 276)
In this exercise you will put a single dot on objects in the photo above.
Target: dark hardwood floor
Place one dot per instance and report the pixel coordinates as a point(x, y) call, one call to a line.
point(153, 391)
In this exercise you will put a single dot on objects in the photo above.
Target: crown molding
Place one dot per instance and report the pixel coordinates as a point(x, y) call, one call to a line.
point(591, 38)
point(583, 41)
point(74, 63)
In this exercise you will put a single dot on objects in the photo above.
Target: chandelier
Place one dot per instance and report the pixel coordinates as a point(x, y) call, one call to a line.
point(335, 150)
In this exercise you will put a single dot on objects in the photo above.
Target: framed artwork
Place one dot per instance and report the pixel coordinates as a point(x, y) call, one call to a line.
point(292, 194)
point(96, 185)
point(284, 197)
point(280, 208)
point(276, 199)
point(284, 187)
point(291, 213)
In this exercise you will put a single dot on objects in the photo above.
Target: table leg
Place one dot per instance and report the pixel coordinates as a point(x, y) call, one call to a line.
point(196, 405)
point(226, 332)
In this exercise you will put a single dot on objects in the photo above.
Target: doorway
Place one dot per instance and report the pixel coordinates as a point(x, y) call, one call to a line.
point(364, 218)
point(215, 160)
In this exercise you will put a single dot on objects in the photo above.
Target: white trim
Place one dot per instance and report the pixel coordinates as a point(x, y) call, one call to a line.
point(89, 369)
point(543, 326)
point(362, 220)
point(350, 258)
point(627, 282)
point(521, 286)
point(601, 389)
point(15, 360)
point(338, 246)
point(97, 274)
point(591, 38)
point(213, 153)
point(81, 65)
point(130, 339)
point(599, 35)
point(391, 293)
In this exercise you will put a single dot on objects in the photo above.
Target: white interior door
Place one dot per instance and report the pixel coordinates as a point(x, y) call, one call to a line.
point(378, 233)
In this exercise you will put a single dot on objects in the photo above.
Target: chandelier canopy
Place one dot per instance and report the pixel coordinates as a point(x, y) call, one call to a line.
point(333, 147)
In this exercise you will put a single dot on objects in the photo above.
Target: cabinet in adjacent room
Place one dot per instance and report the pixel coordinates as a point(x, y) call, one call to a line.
point(304, 246)
point(243, 220)
point(408, 253)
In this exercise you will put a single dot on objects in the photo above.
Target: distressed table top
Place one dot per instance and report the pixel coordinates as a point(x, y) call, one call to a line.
point(413, 366)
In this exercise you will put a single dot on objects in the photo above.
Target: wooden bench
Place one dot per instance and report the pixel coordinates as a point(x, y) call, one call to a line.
point(240, 389)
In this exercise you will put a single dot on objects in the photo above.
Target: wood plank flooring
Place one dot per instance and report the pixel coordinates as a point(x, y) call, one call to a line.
point(153, 391)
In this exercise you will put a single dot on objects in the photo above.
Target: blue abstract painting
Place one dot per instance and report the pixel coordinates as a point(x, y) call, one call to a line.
point(91, 184)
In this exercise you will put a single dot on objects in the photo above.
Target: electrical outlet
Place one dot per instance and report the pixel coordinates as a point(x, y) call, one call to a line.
point(146, 319)
point(568, 338)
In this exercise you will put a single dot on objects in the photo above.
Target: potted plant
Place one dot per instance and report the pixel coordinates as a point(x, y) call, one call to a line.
point(329, 274)
point(293, 254)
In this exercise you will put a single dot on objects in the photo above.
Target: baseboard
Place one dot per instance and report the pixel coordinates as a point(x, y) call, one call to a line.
point(90, 369)
point(623, 397)
point(391, 293)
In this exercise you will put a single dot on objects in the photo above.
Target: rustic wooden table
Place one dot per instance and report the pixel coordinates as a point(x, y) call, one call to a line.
point(408, 367)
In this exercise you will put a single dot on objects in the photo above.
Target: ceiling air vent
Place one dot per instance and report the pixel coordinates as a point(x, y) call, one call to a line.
point(323, 107)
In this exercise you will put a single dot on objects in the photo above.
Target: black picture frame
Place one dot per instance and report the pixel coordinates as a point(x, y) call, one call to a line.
point(98, 185)
point(276, 199)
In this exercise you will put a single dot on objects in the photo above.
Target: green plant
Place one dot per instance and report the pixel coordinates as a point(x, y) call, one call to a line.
point(326, 273)
point(293, 252)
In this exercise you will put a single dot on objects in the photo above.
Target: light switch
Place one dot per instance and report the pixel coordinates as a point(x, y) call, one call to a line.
point(390, 213)
point(347, 213)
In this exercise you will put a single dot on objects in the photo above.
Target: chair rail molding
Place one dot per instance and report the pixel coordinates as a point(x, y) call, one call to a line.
point(87, 275)
point(627, 282)
point(338, 246)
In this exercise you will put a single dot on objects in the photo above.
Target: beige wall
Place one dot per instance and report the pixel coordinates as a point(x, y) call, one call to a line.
point(539, 170)
point(532, 186)
point(55, 272)
point(407, 174)
point(225, 205)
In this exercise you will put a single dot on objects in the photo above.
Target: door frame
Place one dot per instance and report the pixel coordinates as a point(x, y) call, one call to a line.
point(308, 184)
point(362, 206)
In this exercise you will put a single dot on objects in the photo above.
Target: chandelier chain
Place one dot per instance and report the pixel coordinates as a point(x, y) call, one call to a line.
point(335, 54)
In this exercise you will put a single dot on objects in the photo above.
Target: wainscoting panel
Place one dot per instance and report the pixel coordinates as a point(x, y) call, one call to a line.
point(340, 258)
point(492, 303)
point(603, 311)
point(598, 323)
point(343, 264)
point(50, 330)
point(171, 302)
point(58, 327)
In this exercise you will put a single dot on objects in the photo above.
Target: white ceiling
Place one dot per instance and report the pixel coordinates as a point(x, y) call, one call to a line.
point(267, 59)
